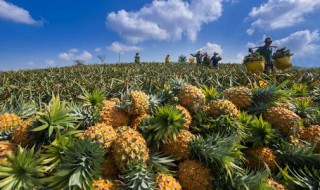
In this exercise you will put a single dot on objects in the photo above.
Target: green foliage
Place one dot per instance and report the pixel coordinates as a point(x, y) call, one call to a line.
point(94, 99)
point(138, 176)
point(163, 163)
point(182, 59)
point(211, 93)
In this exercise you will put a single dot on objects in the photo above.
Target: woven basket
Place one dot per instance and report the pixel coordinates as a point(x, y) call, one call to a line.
point(255, 66)
point(282, 63)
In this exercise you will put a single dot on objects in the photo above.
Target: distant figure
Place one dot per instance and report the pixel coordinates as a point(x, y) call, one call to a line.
point(167, 60)
point(198, 57)
point(206, 59)
point(266, 52)
point(137, 58)
point(215, 60)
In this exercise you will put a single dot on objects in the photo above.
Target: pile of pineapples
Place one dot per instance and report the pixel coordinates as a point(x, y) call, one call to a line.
point(180, 137)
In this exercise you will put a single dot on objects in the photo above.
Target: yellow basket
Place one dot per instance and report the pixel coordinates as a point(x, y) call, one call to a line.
point(191, 60)
point(255, 66)
point(282, 63)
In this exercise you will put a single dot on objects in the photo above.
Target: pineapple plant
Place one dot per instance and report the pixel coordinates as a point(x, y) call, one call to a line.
point(223, 107)
point(23, 170)
point(312, 134)
point(257, 156)
point(80, 166)
point(8, 123)
point(165, 182)
point(136, 102)
point(112, 114)
point(194, 175)
point(102, 133)
point(239, 96)
point(130, 146)
point(187, 116)
point(21, 134)
point(138, 176)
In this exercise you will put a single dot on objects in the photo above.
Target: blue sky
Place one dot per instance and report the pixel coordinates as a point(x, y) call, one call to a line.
point(39, 34)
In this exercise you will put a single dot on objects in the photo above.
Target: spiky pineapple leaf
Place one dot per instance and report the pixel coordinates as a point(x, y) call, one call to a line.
point(138, 176)
point(163, 163)
point(94, 99)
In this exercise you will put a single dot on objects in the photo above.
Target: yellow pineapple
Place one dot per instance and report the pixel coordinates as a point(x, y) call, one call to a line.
point(9, 122)
point(167, 182)
point(187, 116)
point(257, 156)
point(130, 146)
point(275, 185)
point(20, 135)
point(191, 97)
point(179, 147)
point(312, 134)
point(115, 100)
point(105, 184)
point(239, 96)
point(113, 115)
point(137, 119)
point(193, 175)
point(139, 103)
point(102, 133)
point(109, 167)
point(5, 146)
point(223, 107)
point(283, 119)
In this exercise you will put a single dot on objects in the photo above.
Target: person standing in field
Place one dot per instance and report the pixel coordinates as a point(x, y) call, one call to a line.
point(137, 58)
point(206, 59)
point(266, 52)
point(215, 60)
point(168, 59)
point(198, 57)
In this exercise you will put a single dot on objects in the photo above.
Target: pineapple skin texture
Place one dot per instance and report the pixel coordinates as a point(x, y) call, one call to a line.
point(192, 98)
point(275, 185)
point(283, 119)
point(140, 103)
point(258, 155)
point(312, 134)
point(9, 121)
point(104, 184)
point(5, 146)
point(187, 116)
point(102, 133)
point(109, 167)
point(130, 146)
point(239, 96)
point(179, 147)
point(223, 107)
point(135, 122)
point(20, 135)
point(194, 176)
point(167, 182)
point(113, 115)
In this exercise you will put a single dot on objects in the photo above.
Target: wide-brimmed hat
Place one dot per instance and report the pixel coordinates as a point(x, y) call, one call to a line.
point(268, 39)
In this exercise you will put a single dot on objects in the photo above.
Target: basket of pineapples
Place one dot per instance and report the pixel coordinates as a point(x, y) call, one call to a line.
point(282, 58)
point(254, 63)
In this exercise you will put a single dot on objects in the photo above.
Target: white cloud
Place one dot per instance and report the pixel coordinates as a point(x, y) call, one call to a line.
point(121, 48)
point(165, 20)
point(277, 14)
point(210, 48)
point(74, 54)
point(250, 31)
point(239, 58)
point(97, 49)
point(30, 63)
point(50, 63)
point(17, 14)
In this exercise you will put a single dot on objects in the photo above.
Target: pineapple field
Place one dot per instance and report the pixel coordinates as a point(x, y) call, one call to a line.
point(159, 126)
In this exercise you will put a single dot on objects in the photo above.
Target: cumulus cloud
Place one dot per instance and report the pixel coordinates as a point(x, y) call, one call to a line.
point(300, 43)
point(74, 54)
point(210, 48)
point(277, 14)
point(97, 49)
point(165, 20)
point(121, 48)
point(50, 63)
point(9, 11)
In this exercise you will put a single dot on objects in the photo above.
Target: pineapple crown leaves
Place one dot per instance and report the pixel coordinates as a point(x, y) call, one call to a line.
point(162, 163)
point(300, 89)
point(210, 93)
point(21, 108)
point(261, 132)
point(138, 176)
point(156, 101)
point(56, 118)
point(94, 99)
point(302, 178)
point(269, 94)
point(218, 152)
point(296, 156)
point(23, 170)
point(88, 116)
point(166, 124)
point(80, 165)
point(176, 84)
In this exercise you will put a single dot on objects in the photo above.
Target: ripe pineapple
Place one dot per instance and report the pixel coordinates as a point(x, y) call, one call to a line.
point(130, 146)
point(137, 119)
point(20, 135)
point(105, 184)
point(187, 116)
point(179, 147)
point(275, 185)
point(102, 133)
point(283, 119)
point(109, 167)
point(136, 103)
point(223, 107)
point(113, 115)
point(167, 182)
point(192, 175)
point(312, 134)
point(257, 156)
point(239, 96)
point(6, 146)
point(8, 123)
point(191, 97)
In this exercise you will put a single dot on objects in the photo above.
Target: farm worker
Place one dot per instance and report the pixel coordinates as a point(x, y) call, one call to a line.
point(137, 58)
point(198, 56)
point(167, 60)
point(214, 60)
point(266, 52)
point(206, 59)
